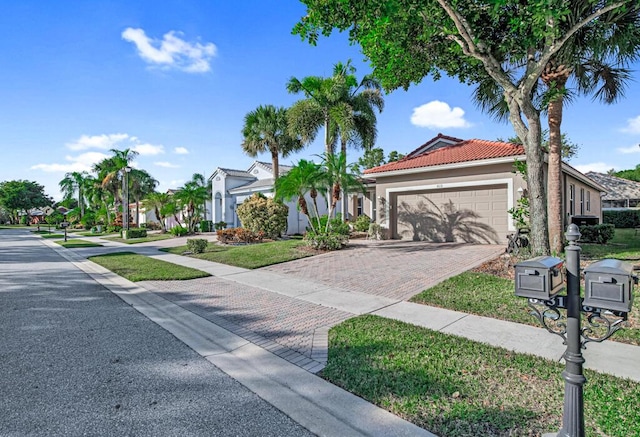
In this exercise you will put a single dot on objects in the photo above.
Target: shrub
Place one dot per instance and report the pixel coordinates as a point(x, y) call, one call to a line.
point(625, 218)
point(114, 228)
point(376, 232)
point(136, 233)
point(179, 231)
point(259, 213)
point(206, 226)
point(600, 234)
point(239, 235)
point(197, 245)
point(362, 223)
point(220, 225)
point(336, 225)
point(152, 226)
point(324, 241)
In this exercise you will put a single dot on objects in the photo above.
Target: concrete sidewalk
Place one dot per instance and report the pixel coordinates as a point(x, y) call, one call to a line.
point(273, 293)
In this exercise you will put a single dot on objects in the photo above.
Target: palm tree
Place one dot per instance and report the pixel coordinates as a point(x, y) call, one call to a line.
point(340, 178)
point(75, 182)
point(266, 129)
point(339, 104)
point(191, 197)
point(305, 177)
point(159, 203)
point(109, 171)
point(141, 183)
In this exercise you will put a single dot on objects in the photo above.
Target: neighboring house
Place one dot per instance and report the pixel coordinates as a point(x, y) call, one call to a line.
point(231, 187)
point(449, 188)
point(619, 193)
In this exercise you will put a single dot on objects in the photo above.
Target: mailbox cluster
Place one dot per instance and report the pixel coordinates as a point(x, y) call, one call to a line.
point(608, 283)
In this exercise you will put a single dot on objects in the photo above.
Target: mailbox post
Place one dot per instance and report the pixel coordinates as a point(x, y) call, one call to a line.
point(608, 300)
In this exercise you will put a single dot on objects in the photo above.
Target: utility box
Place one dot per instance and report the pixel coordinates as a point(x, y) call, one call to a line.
point(609, 285)
point(539, 278)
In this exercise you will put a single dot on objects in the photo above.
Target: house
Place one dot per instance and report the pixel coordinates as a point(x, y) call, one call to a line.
point(453, 189)
point(231, 187)
point(619, 193)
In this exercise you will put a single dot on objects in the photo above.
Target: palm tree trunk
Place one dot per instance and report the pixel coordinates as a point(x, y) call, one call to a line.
point(275, 164)
point(328, 147)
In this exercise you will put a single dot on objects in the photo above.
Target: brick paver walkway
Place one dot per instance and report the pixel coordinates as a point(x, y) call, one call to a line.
point(293, 329)
point(394, 269)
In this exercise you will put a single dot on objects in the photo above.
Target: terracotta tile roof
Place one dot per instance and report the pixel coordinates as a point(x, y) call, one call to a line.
point(432, 141)
point(465, 151)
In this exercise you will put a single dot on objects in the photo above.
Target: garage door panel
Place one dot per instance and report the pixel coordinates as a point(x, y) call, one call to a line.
point(416, 214)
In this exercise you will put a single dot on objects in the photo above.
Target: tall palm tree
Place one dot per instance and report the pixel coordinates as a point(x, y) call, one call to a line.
point(306, 177)
point(266, 129)
point(141, 183)
point(75, 182)
point(342, 106)
point(109, 171)
point(339, 178)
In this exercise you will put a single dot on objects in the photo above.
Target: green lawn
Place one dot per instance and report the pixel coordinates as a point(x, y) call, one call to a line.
point(52, 235)
point(94, 234)
point(456, 387)
point(148, 238)
point(136, 268)
point(74, 243)
point(625, 245)
point(251, 256)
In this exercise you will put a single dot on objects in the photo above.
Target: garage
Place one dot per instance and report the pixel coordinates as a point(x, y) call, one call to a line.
point(469, 214)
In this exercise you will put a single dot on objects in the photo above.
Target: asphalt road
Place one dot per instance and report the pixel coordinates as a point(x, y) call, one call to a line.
point(75, 360)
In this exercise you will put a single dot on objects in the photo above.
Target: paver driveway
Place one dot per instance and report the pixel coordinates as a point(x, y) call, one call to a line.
point(394, 269)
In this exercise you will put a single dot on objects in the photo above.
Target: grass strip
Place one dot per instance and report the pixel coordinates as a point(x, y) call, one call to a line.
point(136, 268)
point(251, 256)
point(453, 386)
point(147, 239)
point(52, 235)
point(625, 245)
point(490, 296)
point(76, 243)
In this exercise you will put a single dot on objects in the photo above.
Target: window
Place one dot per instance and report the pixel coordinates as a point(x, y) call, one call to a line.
point(359, 207)
point(588, 200)
point(581, 201)
point(572, 199)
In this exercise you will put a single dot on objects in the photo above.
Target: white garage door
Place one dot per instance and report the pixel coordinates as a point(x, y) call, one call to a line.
point(476, 214)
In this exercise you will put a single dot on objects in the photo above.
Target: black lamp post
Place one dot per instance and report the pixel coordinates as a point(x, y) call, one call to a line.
point(125, 200)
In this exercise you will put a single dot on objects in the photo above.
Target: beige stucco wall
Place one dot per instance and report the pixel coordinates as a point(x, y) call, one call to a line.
point(589, 193)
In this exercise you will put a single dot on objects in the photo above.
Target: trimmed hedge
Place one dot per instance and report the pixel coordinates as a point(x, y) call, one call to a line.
point(600, 234)
point(239, 235)
point(136, 233)
point(624, 218)
point(197, 245)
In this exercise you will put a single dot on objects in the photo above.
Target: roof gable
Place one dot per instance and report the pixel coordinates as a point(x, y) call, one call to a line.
point(434, 143)
point(616, 188)
point(461, 151)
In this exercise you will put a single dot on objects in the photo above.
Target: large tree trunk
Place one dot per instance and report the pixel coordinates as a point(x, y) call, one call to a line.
point(531, 136)
point(555, 77)
point(275, 164)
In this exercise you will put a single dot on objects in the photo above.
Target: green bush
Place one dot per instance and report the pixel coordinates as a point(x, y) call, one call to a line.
point(220, 225)
point(600, 234)
point(624, 218)
point(362, 223)
point(261, 214)
point(376, 232)
point(179, 231)
point(88, 220)
point(324, 241)
point(114, 228)
point(197, 245)
point(206, 226)
point(136, 233)
point(336, 225)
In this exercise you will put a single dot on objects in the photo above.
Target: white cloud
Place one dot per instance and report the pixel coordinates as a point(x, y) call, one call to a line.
point(83, 162)
point(147, 149)
point(437, 114)
point(628, 150)
point(166, 164)
point(633, 126)
point(98, 141)
point(181, 151)
point(172, 51)
point(599, 167)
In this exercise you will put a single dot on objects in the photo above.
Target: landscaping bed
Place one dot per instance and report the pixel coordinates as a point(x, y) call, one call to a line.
point(452, 386)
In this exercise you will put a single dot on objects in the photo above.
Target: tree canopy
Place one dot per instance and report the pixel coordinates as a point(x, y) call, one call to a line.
point(22, 196)
point(509, 42)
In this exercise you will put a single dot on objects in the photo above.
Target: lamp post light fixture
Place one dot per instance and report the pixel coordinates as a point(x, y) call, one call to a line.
point(609, 296)
point(125, 200)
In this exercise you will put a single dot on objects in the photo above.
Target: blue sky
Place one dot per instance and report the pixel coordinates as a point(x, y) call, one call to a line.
point(174, 80)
